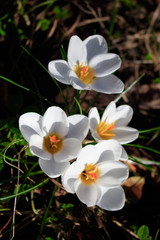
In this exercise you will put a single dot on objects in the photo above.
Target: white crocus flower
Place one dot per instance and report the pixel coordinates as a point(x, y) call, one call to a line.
point(113, 124)
point(89, 66)
point(54, 138)
point(96, 176)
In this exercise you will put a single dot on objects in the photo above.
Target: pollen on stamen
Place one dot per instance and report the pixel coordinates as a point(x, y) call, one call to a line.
point(53, 143)
point(85, 73)
point(90, 174)
point(105, 131)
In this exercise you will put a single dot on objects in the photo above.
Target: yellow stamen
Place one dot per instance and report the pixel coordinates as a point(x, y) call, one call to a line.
point(85, 74)
point(53, 143)
point(90, 174)
point(105, 131)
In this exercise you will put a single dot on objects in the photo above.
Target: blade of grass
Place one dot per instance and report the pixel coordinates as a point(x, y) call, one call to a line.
point(91, 103)
point(56, 83)
point(80, 109)
point(46, 213)
point(24, 88)
point(149, 130)
point(26, 191)
point(143, 147)
point(125, 91)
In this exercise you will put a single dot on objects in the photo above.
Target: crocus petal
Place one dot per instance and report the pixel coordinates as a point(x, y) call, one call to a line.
point(36, 147)
point(113, 199)
point(88, 194)
point(108, 150)
point(96, 45)
point(125, 134)
point(122, 116)
point(105, 64)
point(55, 121)
point(96, 136)
point(69, 177)
point(59, 69)
point(87, 155)
point(124, 155)
point(70, 150)
point(52, 168)
point(108, 84)
point(113, 173)
point(77, 52)
point(94, 118)
point(109, 111)
point(30, 124)
point(78, 126)
point(76, 83)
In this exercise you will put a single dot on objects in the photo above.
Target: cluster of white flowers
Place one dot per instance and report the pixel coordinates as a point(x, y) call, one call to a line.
point(96, 174)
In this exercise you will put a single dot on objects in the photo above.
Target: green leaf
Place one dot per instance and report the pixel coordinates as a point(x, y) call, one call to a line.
point(143, 232)
point(149, 56)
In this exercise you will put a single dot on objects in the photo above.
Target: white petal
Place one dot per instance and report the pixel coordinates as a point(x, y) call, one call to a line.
point(55, 121)
point(59, 69)
point(87, 155)
point(29, 124)
point(89, 195)
point(95, 136)
point(76, 82)
point(95, 45)
point(36, 147)
point(122, 116)
point(108, 150)
point(112, 173)
point(124, 155)
point(53, 169)
point(105, 64)
point(69, 177)
point(125, 134)
point(70, 150)
point(108, 84)
point(77, 52)
point(109, 111)
point(94, 118)
point(78, 127)
point(113, 199)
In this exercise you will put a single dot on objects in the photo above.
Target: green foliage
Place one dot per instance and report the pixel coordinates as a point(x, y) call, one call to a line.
point(149, 56)
point(143, 233)
point(156, 80)
point(59, 12)
point(44, 24)
point(128, 3)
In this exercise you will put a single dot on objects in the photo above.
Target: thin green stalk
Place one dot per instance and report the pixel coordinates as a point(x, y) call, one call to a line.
point(111, 28)
point(24, 88)
point(84, 97)
point(61, 92)
point(80, 109)
point(149, 130)
point(26, 191)
point(91, 103)
point(46, 213)
point(143, 147)
point(125, 91)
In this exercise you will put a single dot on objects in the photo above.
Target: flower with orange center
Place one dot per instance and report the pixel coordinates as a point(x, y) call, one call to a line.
point(90, 174)
point(89, 66)
point(96, 176)
point(113, 124)
point(54, 138)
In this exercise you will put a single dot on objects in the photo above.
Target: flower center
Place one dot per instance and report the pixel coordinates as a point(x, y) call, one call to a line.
point(53, 143)
point(90, 174)
point(85, 74)
point(105, 131)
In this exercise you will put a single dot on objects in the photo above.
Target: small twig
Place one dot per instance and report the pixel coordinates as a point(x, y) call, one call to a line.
point(126, 229)
point(58, 184)
point(53, 28)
